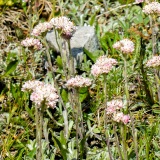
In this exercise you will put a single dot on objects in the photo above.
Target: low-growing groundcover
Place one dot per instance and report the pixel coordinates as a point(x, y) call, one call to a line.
point(105, 108)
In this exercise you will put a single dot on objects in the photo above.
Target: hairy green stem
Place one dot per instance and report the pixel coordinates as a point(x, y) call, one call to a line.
point(108, 146)
point(78, 115)
point(149, 95)
point(152, 26)
point(126, 84)
point(154, 50)
point(30, 16)
point(56, 86)
point(124, 145)
point(134, 133)
point(39, 127)
point(157, 84)
point(117, 141)
point(105, 98)
point(105, 118)
point(71, 60)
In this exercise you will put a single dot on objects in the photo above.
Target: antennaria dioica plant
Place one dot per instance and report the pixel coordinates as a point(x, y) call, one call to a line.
point(106, 107)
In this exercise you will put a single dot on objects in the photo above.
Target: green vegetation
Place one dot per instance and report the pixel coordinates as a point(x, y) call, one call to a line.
point(80, 127)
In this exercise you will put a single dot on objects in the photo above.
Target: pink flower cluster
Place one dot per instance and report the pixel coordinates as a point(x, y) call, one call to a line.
point(41, 27)
point(41, 92)
point(153, 62)
point(152, 8)
point(139, 1)
point(31, 85)
point(124, 45)
point(61, 23)
point(120, 117)
point(64, 24)
point(114, 105)
point(103, 65)
point(78, 81)
point(113, 108)
point(31, 42)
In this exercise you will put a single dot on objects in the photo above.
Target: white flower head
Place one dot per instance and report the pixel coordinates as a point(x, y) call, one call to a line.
point(32, 42)
point(153, 62)
point(103, 65)
point(41, 92)
point(124, 45)
point(152, 8)
point(78, 81)
point(65, 25)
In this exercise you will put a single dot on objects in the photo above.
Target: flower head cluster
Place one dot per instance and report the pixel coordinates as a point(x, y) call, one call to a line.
point(41, 27)
point(124, 45)
point(78, 81)
point(152, 8)
point(139, 1)
point(41, 92)
point(114, 105)
point(103, 65)
point(31, 85)
point(113, 108)
point(153, 62)
point(29, 42)
point(64, 24)
point(120, 117)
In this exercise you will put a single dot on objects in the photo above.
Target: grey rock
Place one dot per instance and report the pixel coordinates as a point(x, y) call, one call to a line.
point(84, 37)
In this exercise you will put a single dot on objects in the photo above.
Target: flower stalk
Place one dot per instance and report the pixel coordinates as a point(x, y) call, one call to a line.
point(105, 117)
point(117, 141)
point(39, 127)
point(126, 83)
point(124, 145)
point(134, 133)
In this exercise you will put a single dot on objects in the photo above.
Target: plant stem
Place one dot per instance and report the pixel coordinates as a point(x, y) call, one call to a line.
point(56, 86)
point(64, 55)
point(79, 122)
point(105, 118)
point(30, 15)
point(105, 99)
point(149, 95)
point(117, 141)
point(39, 123)
point(154, 51)
point(123, 135)
point(71, 60)
point(152, 25)
point(126, 83)
point(157, 83)
point(134, 138)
